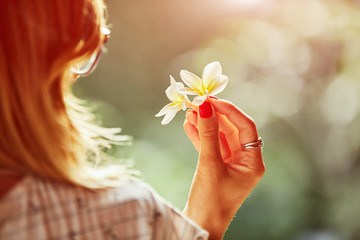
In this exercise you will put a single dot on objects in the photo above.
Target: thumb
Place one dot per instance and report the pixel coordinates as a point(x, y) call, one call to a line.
point(208, 132)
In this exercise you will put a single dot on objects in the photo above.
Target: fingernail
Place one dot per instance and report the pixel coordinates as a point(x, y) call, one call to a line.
point(194, 111)
point(205, 110)
point(213, 97)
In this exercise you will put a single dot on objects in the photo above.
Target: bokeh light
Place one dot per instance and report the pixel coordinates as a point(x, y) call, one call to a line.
point(246, 3)
point(294, 66)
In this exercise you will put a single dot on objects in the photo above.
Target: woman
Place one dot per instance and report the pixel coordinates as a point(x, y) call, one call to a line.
point(49, 189)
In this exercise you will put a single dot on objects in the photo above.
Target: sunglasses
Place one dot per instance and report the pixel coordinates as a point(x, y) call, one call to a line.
point(87, 67)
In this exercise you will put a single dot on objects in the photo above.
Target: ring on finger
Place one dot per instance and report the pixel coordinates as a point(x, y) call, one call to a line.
point(257, 144)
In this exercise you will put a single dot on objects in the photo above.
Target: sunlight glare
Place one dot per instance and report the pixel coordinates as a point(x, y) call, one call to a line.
point(247, 3)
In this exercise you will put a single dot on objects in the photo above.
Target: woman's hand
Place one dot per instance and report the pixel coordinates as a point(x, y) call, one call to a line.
point(226, 173)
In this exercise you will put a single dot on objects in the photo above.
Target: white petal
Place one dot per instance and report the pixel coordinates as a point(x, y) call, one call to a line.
point(211, 72)
point(179, 85)
point(172, 81)
point(189, 91)
point(170, 115)
point(219, 86)
point(191, 80)
point(199, 100)
point(173, 94)
point(171, 91)
point(175, 85)
point(164, 110)
point(183, 104)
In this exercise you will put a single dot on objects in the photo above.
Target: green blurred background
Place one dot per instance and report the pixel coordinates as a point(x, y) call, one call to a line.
point(294, 66)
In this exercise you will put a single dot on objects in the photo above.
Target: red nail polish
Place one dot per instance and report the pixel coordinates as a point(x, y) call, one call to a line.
point(205, 110)
point(213, 97)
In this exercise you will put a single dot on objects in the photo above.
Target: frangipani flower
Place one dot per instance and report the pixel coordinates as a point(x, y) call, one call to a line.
point(178, 101)
point(211, 83)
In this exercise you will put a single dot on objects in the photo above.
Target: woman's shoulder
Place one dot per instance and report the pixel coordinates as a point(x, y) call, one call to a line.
point(131, 205)
point(39, 193)
point(128, 189)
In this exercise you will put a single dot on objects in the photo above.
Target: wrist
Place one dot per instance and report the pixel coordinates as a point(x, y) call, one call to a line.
point(212, 219)
point(207, 207)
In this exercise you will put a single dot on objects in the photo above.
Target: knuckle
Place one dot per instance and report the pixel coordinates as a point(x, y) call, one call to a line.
point(209, 132)
point(186, 123)
point(188, 113)
point(251, 122)
point(250, 128)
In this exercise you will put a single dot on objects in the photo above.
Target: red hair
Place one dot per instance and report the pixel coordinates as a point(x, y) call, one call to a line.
point(39, 42)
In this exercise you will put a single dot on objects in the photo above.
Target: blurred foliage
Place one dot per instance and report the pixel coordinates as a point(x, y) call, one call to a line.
point(293, 66)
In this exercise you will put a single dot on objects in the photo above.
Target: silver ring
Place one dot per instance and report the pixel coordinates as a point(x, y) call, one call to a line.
point(257, 144)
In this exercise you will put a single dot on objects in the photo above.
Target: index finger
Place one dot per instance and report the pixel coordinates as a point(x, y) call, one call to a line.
point(245, 124)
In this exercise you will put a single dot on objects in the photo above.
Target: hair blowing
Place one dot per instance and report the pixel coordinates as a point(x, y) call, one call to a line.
point(43, 128)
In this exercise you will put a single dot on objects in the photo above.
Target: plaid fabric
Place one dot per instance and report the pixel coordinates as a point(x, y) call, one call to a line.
point(37, 208)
